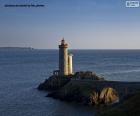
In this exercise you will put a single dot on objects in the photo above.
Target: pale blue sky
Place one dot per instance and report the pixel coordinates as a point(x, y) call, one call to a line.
point(85, 24)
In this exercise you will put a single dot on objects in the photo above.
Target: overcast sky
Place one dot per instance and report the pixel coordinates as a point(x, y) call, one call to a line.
point(85, 24)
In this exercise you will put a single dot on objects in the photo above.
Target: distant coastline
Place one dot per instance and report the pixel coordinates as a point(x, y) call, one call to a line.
point(16, 48)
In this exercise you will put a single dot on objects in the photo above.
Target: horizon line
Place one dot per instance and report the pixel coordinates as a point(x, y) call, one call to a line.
point(73, 48)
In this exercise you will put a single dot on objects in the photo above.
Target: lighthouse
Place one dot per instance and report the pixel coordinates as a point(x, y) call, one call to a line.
point(65, 59)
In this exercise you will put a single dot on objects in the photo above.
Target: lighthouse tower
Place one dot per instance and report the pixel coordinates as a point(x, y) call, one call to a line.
point(70, 69)
point(63, 58)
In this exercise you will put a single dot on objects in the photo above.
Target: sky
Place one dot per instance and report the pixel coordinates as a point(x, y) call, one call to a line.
point(85, 24)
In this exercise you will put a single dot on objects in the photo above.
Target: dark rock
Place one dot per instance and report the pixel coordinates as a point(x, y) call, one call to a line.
point(94, 98)
point(87, 75)
point(64, 88)
point(53, 83)
point(128, 107)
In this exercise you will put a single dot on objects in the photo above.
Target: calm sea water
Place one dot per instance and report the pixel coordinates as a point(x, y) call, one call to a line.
point(22, 71)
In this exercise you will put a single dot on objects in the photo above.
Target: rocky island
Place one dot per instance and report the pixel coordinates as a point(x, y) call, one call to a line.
point(74, 88)
point(78, 86)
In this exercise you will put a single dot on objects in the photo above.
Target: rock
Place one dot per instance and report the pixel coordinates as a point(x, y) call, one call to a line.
point(84, 94)
point(53, 83)
point(108, 95)
point(94, 98)
point(105, 96)
point(87, 75)
point(128, 107)
point(65, 88)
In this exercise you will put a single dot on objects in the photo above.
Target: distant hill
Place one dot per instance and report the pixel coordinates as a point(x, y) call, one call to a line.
point(15, 48)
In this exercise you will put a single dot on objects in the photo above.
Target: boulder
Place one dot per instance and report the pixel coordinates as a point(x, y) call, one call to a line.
point(108, 95)
point(94, 98)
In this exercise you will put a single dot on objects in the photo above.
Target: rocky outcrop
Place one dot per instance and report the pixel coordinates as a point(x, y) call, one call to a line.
point(108, 95)
point(84, 94)
point(70, 92)
point(53, 83)
point(129, 107)
point(56, 81)
point(94, 98)
point(75, 88)
point(87, 75)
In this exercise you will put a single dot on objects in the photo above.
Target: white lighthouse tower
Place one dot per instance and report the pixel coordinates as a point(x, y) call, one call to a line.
point(70, 67)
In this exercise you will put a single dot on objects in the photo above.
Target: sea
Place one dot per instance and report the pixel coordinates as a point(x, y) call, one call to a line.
point(21, 71)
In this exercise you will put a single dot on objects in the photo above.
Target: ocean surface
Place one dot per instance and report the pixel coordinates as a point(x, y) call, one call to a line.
point(22, 71)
